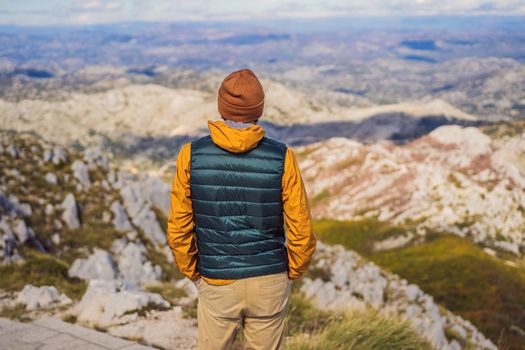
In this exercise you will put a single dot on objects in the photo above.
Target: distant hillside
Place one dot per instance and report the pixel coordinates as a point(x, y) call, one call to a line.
point(143, 126)
point(454, 179)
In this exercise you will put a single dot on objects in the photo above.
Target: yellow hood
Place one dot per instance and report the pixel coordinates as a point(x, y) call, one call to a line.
point(235, 140)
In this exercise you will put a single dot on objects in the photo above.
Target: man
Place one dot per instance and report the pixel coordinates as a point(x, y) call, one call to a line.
point(231, 195)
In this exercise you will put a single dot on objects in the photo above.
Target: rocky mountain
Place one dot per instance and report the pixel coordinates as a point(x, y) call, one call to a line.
point(83, 241)
point(455, 179)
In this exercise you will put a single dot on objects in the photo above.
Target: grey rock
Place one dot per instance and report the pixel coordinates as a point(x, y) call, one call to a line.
point(412, 311)
point(14, 173)
point(120, 220)
point(94, 157)
point(48, 155)
point(106, 216)
point(142, 216)
point(413, 292)
point(100, 265)
point(311, 288)
point(8, 241)
point(118, 245)
point(49, 209)
point(105, 184)
point(24, 209)
point(58, 224)
point(508, 247)
point(59, 156)
point(168, 254)
point(70, 214)
point(22, 232)
point(132, 235)
point(12, 206)
point(133, 265)
point(51, 178)
point(41, 297)
point(156, 192)
point(153, 190)
point(55, 238)
point(188, 286)
point(13, 151)
point(437, 336)
point(81, 173)
point(457, 329)
point(105, 303)
point(454, 345)
point(112, 178)
point(340, 272)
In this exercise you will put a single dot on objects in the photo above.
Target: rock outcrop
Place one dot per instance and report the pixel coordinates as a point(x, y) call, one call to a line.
point(120, 218)
point(100, 265)
point(81, 173)
point(355, 283)
point(108, 303)
point(70, 214)
point(133, 264)
point(141, 213)
point(41, 297)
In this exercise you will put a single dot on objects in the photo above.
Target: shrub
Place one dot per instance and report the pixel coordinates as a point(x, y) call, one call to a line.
point(363, 330)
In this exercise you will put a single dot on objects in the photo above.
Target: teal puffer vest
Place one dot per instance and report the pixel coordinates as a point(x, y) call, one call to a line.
point(237, 209)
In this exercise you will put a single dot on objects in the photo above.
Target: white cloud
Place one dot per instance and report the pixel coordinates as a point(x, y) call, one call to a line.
point(96, 5)
point(102, 11)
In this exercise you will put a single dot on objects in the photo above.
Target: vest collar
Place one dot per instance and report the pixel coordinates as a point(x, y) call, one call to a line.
point(235, 139)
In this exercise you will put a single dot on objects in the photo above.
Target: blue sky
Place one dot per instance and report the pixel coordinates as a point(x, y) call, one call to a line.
point(81, 12)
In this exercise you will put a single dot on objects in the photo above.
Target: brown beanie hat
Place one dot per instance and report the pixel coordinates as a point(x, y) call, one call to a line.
point(241, 97)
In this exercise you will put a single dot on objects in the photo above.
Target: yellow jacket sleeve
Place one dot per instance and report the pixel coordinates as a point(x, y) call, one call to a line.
point(181, 229)
point(301, 238)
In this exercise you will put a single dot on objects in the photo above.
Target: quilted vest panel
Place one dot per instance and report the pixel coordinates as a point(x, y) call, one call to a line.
point(237, 209)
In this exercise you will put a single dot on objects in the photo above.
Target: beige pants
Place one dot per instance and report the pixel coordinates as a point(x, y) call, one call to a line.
point(258, 304)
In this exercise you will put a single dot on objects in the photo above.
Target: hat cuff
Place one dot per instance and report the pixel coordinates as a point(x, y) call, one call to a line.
point(240, 113)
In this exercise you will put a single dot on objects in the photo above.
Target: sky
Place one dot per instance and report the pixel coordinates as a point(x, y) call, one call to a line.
point(86, 12)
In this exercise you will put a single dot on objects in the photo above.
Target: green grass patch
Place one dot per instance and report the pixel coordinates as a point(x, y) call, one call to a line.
point(460, 276)
point(365, 330)
point(356, 235)
point(84, 239)
point(143, 312)
point(17, 312)
point(41, 269)
point(321, 196)
point(69, 318)
point(168, 291)
point(314, 272)
point(190, 310)
point(304, 318)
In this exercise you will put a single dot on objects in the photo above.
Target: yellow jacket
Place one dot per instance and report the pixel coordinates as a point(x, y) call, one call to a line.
point(181, 234)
